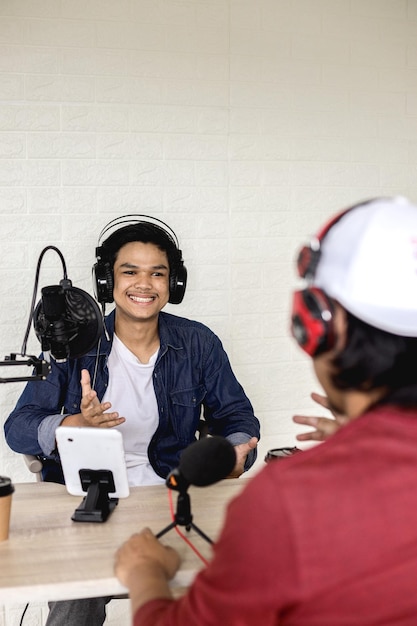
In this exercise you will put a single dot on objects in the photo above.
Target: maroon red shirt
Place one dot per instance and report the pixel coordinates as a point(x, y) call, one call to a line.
point(327, 537)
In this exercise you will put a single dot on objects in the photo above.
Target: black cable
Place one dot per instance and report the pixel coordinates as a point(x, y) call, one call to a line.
point(35, 290)
point(23, 614)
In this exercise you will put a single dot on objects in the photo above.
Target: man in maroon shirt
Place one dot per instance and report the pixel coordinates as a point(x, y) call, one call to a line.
point(327, 537)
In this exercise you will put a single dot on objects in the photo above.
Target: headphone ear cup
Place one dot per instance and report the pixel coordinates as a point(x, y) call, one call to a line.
point(312, 321)
point(103, 282)
point(177, 284)
point(307, 262)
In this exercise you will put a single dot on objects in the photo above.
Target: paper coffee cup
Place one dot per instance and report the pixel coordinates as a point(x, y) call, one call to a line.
point(6, 490)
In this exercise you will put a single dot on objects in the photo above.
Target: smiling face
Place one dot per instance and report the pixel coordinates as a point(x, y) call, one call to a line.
point(141, 281)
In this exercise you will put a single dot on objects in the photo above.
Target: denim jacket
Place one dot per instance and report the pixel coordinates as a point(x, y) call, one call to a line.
point(192, 376)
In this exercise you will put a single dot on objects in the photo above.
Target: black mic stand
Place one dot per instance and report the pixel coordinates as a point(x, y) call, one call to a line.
point(183, 517)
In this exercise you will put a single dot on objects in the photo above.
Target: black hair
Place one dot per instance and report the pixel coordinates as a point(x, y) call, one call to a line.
point(374, 358)
point(145, 232)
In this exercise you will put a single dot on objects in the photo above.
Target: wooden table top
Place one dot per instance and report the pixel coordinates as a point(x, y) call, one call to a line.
point(50, 557)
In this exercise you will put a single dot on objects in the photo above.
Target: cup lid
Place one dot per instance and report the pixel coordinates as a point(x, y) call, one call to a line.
point(6, 487)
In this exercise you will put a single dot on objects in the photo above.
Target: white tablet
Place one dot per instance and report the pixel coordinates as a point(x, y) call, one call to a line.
point(83, 448)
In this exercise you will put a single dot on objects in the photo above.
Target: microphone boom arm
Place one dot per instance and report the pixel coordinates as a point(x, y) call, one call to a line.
point(41, 368)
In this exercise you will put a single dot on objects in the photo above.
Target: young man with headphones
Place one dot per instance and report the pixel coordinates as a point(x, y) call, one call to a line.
point(327, 537)
point(151, 376)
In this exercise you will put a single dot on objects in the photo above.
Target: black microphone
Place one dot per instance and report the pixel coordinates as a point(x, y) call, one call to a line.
point(203, 463)
point(67, 321)
point(54, 328)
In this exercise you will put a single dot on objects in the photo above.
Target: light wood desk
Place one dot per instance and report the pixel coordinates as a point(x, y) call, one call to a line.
point(50, 557)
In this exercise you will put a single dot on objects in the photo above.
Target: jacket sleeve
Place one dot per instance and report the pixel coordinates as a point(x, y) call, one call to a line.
point(227, 409)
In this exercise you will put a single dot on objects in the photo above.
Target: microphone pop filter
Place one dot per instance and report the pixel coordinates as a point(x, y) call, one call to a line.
point(207, 461)
point(80, 317)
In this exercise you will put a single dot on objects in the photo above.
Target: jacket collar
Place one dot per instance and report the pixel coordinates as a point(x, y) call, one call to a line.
point(165, 335)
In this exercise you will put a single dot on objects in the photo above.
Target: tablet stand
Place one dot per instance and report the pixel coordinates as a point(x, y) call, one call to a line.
point(96, 506)
point(183, 517)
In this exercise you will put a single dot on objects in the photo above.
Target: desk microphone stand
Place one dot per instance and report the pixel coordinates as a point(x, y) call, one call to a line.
point(183, 517)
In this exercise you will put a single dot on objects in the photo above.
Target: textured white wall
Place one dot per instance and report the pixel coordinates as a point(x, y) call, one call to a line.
point(244, 124)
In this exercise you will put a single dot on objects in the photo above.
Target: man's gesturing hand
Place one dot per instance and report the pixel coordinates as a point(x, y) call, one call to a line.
point(93, 412)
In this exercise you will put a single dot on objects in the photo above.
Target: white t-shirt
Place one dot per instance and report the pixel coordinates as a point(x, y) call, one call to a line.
point(132, 395)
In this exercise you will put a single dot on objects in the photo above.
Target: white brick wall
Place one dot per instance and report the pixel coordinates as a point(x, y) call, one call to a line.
point(242, 123)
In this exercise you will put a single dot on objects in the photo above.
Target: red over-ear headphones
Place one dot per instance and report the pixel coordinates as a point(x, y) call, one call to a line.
point(312, 316)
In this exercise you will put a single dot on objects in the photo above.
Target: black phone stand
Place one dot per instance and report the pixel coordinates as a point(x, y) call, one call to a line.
point(96, 506)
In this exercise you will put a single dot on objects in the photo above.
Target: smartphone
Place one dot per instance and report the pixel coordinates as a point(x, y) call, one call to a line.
point(84, 448)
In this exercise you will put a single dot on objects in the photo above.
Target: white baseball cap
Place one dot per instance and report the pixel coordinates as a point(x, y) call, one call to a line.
point(368, 263)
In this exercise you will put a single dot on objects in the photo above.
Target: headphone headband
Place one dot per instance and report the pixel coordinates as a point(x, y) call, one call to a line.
point(132, 219)
point(309, 255)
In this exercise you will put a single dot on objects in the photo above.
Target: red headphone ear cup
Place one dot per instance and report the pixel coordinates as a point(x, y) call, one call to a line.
point(307, 262)
point(312, 321)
